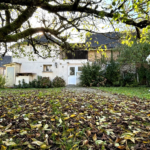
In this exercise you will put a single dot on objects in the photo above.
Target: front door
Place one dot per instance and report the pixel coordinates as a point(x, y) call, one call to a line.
point(72, 74)
point(10, 76)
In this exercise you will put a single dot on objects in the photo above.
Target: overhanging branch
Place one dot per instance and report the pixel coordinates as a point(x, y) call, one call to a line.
point(23, 34)
point(17, 23)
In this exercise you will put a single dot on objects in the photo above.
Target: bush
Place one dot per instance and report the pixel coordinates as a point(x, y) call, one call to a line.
point(45, 82)
point(144, 75)
point(34, 83)
point(2, 81)
point(113, 74)
point(91, 75)
point(148, 76)
point(128, 79)
point(59, 82)
point(41, 82)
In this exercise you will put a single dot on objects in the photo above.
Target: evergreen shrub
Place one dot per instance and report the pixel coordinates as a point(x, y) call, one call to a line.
point(113, 74)
point(58, 82)
point(40, 82)
point(91, 75)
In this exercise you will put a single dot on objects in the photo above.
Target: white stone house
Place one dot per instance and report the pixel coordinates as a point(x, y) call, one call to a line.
point(69, 69)
point(23, 68)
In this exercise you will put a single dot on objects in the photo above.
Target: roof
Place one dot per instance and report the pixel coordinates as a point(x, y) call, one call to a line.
point(5, 60)
point(12, 63)
point(43, 39)
point(40, 39)
point(110, 39)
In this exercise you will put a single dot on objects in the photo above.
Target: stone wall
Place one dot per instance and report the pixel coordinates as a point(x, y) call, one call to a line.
point(128, 68)
point(93, 55)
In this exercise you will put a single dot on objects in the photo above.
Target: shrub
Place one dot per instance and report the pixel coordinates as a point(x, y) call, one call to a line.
point(24, 84)
point(34, 83)
point(91, 75)
point(58, 82)
point(128, 79)
point(100, 80)
point(39, 80)
point(148, 76)
point(113, 74)
point(144, 74)
point(45, 82)
point(2, 81)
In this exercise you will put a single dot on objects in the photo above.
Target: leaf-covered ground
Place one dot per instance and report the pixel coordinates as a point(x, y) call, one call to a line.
point(34, 119)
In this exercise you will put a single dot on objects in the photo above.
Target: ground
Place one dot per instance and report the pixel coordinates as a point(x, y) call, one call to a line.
point(72, 119)
point(78, 90)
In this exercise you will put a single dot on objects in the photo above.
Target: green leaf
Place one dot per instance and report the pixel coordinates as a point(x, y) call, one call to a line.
point(113, 3)
point(148, 27)
point(102, 14)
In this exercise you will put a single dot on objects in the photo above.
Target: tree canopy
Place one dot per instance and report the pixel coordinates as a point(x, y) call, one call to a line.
point(59, 19)
point(137, 52)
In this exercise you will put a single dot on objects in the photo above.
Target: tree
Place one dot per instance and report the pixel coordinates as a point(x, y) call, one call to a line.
point(137, 52)
point(58, 18)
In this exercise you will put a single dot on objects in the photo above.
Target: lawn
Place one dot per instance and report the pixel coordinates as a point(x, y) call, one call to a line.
point(51, 119)
point(141, 92)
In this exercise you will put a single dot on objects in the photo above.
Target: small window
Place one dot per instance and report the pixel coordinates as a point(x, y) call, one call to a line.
point(72, 70)
point(79, 68)
point(47, 68)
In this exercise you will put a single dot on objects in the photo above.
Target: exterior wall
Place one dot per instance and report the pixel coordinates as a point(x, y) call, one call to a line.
point(2, 70)
point(59, 67)
point(27, 79)
point(93, 54)
point(17, 68)
point(20, 78)
point(128, 68)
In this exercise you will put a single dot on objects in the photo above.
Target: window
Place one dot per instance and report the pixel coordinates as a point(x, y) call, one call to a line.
point(77, 55)
point(72, 70)
point(47, 68)
point(79, 68)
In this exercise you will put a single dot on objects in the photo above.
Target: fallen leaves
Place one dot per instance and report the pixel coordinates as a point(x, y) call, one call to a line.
point(64, 120)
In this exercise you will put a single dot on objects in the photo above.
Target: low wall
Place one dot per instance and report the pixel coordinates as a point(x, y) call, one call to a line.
point(27, 79)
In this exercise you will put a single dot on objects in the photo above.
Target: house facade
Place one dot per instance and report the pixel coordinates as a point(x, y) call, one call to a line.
point(23, 68)
point(4, 60)
point(67, 65)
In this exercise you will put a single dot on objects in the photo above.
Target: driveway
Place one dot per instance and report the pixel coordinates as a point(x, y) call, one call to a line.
point(90, 90)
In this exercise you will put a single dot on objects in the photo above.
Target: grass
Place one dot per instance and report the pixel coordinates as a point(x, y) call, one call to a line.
point(140, 92)
point(63, 120)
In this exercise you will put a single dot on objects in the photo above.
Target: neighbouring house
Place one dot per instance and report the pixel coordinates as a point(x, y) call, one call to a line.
point(107, 41)
point(4, 60)
point(69, 68)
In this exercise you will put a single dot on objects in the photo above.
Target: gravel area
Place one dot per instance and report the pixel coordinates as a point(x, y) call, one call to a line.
point(90, 90)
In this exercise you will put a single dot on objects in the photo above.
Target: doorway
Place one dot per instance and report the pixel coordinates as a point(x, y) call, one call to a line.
point(10, 76)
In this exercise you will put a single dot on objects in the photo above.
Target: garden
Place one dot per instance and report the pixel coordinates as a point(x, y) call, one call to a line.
point(60, 119)
point(40, 116)
point(131, 68)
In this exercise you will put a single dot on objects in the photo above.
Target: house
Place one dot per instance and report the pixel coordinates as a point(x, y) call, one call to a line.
point(66, 65)
point(107, 42)
point(4, 60)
